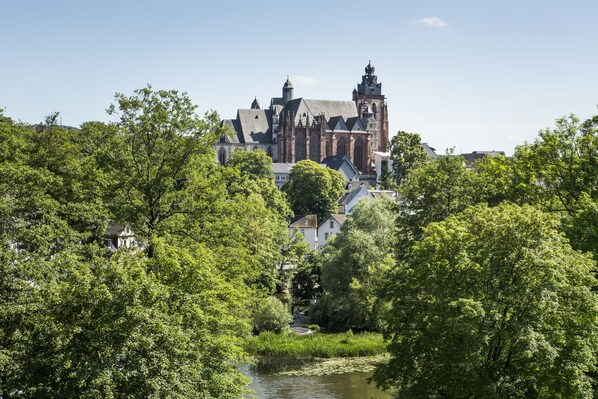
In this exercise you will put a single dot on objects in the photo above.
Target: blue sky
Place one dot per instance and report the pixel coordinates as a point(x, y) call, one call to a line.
point(474, 75)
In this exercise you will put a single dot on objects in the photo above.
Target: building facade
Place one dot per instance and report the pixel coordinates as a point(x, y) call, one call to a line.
point(292, 129)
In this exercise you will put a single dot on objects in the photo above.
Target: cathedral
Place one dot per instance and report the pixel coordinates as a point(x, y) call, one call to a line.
point(292, 129)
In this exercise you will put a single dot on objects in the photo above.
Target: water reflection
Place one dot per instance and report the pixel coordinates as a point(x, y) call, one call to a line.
point(338, 386)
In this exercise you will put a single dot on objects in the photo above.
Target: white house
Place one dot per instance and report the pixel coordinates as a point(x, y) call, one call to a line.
point(119, 236)
point(308, 226)
point(329, 228)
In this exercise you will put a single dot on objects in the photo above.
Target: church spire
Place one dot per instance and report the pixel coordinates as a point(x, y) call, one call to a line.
point(287, 91)
point(255, 104)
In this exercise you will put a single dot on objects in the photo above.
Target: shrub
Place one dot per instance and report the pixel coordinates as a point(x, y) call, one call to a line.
point(314, 327)
point(271, 315)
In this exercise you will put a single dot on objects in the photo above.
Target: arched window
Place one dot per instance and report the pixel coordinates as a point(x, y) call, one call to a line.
point(269, 151)
point(314, 148)
point(374, 109)
point(299, 147)
point(222, 156)
point(341, 147)
point(358, 154)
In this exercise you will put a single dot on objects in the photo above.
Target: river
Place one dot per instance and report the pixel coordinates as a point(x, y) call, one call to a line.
point(336, 386)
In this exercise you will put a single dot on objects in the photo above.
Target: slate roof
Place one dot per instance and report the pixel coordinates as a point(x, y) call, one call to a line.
point(470, 158)
point(430, 152)
point(253, 125)
point(230, 124)
point(336, 161)
point(301, 108)
point(307, 221)
point(354, 124)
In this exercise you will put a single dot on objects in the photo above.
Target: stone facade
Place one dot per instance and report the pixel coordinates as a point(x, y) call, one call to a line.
point(293, 129)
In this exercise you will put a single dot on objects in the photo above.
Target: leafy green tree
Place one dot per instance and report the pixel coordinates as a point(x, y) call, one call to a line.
point(355, 266)
point(493, 303)
point(89, 328)
point(435, 190)
point(406, 153)
point(255, 163)
point(313, 189)
point(165, 140)
point(271, 315)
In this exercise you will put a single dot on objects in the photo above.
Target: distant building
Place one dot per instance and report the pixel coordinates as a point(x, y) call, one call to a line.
point(292, 129)
point(330, 227)
point(308, 226)
point(471, 157)
point(119, 236)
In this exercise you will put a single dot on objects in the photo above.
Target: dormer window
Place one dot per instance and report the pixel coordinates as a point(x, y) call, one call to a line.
point(256, 117)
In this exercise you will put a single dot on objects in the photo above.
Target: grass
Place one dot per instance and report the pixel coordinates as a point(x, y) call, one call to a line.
point(317, 345)
point(289, 352)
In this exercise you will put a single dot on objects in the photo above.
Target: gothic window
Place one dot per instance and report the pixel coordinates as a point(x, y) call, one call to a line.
point(222, 156)
point(299, 147)
point(374, 109)
point(269, 151)
point(314, 148)
point(341, 147)
point(358, 154)
point(222, 139)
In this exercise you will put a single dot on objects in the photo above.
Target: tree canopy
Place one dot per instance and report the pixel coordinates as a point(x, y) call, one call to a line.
point(314, 189)
point(406, 154)
point(493, 303)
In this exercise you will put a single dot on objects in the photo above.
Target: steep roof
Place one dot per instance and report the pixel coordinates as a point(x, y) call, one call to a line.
point(302, 108)
point(336, 161)
point(339, 217)
point(307, 221)
point(254, 125)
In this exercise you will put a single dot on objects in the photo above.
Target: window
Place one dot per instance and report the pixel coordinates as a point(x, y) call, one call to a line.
point(314, 148)
point(303, 232)
point(326, 235)
point(358, 154)
point(332, 224)
point(269, 151)
point(299, 147)
point(222, 156)
point(341, 147)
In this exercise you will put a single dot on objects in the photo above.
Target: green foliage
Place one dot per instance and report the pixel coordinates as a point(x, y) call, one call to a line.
point(291, 345)
point(306, 281)
point(435, 190)
point(271, 315)
point(255, 163)
point(314, 189)
point(355, 266)
point(493, 303)
point(78, 327)
point(164, 141)
point(406, 153)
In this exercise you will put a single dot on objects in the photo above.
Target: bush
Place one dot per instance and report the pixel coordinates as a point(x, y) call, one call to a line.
point(314, 327)
point(271, 315)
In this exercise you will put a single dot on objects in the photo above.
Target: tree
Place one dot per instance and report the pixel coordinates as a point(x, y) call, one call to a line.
point(355, 266)
point(435, 190)
point(406, 153)
point(165, 141)
point(89, 328)
point(493, 303)
point(313, 189)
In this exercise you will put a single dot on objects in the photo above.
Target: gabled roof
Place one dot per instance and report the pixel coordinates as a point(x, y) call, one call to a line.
point(351, 195)
point(430, 152)
point(339, 217)
point(336, 162)
point(254, 125)
point(303, 222)
point(337, 123)
point(355, 125)
point(234, 136)
point(302, 108)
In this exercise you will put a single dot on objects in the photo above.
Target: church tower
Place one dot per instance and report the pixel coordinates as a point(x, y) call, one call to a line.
point(372, 108)
point(287, 92)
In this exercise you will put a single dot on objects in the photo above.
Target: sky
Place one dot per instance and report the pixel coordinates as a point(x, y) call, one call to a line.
point(473, 75)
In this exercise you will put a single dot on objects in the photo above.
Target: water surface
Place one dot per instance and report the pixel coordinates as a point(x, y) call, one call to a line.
point(337, 386)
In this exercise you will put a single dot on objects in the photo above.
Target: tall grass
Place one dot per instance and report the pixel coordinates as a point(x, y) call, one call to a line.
point(292, 346)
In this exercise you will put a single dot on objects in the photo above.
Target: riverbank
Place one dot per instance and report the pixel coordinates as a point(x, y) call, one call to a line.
point(317, 354)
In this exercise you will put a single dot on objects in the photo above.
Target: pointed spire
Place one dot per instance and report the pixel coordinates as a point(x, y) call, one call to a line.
point(255, 104)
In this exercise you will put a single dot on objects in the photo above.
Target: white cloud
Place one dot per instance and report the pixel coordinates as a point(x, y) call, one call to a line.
point(434, 22)
point(303, 80)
